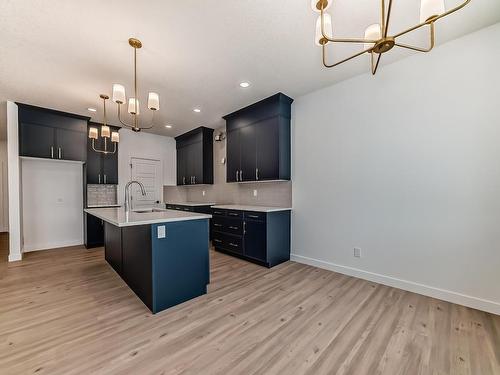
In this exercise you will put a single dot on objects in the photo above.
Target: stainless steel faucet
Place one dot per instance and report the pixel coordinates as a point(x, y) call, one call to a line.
point(128, 203)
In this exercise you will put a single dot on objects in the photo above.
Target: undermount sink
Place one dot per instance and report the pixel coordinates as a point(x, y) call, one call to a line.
point(148, 210)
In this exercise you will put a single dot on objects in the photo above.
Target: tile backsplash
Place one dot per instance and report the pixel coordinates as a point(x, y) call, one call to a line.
point(276, 193)
point(101, 195)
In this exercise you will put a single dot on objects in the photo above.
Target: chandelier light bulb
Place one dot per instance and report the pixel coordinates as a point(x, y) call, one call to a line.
point(430, 9)
point(372, 32)
point(115, 137)
point(153, 101)
point(93, 133)
point(328, 26)
point(119, 93)
point(133, 106)
point(105, 131)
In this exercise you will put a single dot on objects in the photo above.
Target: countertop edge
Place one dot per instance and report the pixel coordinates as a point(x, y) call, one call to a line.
point(250, 208)
point(147, 221)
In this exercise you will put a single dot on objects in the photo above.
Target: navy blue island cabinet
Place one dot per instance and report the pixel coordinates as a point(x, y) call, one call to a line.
point(165, 264)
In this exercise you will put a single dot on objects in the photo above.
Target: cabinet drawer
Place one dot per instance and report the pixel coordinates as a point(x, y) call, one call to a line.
point(235, 214)
point(251, 215)
point(233, 226)
point(217, 212)
point(218, 224)
point(227, 242)
point(234, 244)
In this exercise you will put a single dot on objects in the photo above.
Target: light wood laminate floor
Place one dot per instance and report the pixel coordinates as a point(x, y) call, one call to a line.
point(66, 312)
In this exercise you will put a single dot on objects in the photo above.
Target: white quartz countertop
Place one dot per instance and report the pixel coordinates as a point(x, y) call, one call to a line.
point(192, 204)
point(250, 208)
point(118, 217)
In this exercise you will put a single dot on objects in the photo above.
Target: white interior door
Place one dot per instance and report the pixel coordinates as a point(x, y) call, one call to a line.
point(148, 172)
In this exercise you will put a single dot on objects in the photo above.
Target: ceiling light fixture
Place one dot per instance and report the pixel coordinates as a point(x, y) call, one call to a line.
point(133, 103)
point(91, 109)
point(197, 110)
point(245, 84)
point(168, 126)
point(105, 132)
point(377, 40)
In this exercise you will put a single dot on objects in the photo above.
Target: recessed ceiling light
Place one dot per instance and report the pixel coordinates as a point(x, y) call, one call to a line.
point(245, 84)
point(168, 126)
point(197, 110)
point(91, 109)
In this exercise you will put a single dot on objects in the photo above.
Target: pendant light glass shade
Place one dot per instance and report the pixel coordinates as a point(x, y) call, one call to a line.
point(328, 26)
point(314, 5)
point(93, 133)
point(153, 101)
point(105, 131)
point(119, 93)
point(372, 32)
point(115, 137)
point(431, 8)
point(133, 106)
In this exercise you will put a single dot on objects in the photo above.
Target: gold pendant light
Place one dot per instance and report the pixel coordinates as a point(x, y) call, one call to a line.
point(105, 132)
point(377, 40)
point(120, 98)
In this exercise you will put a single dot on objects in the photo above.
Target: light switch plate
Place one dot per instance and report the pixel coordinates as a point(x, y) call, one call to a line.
point(255, 193)
point(162, 231)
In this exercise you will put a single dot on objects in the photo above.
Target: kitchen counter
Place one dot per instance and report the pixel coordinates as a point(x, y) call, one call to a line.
point(117, 216)
point(250, 208)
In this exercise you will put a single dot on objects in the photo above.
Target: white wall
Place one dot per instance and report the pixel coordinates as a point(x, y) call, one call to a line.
point(4, 187)
point(14, 183)
point(52, 195)
point(147, 146)
point(406, 166)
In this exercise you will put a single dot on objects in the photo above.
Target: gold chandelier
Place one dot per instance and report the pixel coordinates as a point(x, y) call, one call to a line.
point(120, 98)
point(105, 132)
point(377, 41)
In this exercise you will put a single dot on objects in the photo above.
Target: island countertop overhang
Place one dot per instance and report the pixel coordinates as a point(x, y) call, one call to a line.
point(117, 216)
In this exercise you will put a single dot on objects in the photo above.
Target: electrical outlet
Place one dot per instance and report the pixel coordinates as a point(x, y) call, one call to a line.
point(162, 231)
point(357, 252)
point(255, 192)
point(203, 192)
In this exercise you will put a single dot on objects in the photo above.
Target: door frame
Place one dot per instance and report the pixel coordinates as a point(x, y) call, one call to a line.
point(160, 173)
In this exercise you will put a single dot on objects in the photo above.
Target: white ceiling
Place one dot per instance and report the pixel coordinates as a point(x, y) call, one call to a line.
point(63, 53)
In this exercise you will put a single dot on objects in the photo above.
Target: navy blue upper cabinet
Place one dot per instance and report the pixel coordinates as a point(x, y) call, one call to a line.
point(195, 154)
point(259, 141)
point(45, 133)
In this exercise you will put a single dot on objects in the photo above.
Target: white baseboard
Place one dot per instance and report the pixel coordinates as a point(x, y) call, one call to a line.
point(426, 290)
point(51, 245)
point(15, 257)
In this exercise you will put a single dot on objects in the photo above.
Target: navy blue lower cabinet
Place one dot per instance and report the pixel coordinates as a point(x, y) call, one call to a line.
point(260, 237)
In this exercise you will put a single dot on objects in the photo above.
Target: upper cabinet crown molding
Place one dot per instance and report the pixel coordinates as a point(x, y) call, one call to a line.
point(49, 111)
point(195, 157)
point(259, 141)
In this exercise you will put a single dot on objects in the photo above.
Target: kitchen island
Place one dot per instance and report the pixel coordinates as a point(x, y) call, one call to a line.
point(162, 255)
